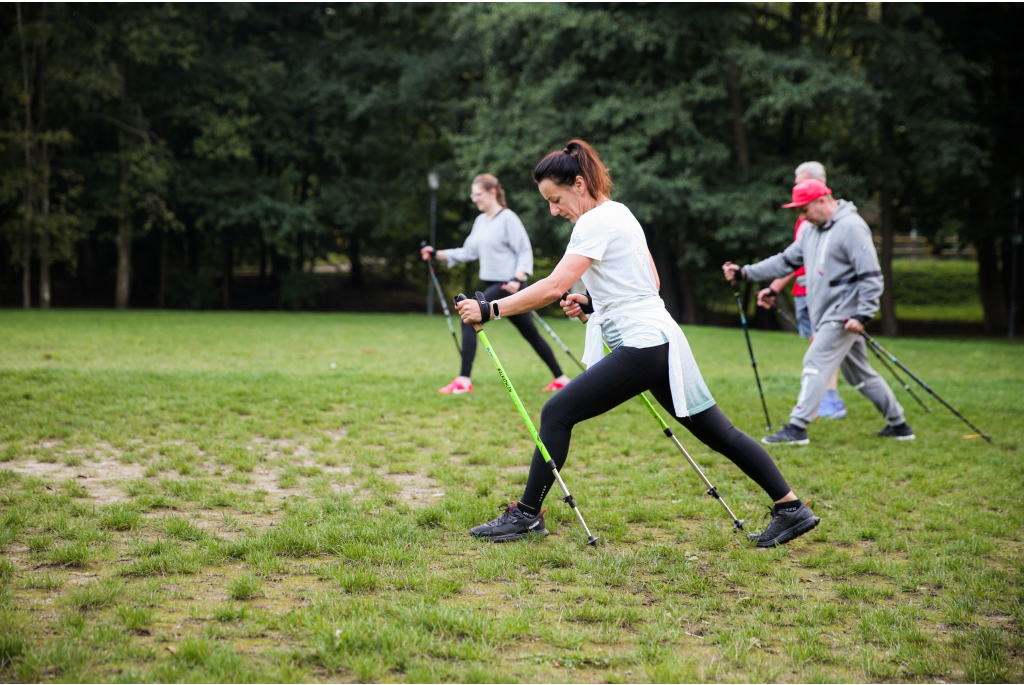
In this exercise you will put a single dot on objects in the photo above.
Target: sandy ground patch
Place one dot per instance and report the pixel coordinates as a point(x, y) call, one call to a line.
point(416, 488)
point(101, 479)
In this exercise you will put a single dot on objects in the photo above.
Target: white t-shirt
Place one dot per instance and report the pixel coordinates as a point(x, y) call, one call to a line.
point(621, 272)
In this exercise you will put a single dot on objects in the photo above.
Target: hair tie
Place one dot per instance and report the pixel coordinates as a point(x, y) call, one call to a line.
point(566, 150)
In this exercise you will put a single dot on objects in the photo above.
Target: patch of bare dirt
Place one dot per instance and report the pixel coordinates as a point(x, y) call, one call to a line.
point(416, 488)
point(338, 433)
point(102, 479)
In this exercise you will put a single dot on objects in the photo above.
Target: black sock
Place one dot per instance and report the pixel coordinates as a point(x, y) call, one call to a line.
point(529, 511)
point(783, 506)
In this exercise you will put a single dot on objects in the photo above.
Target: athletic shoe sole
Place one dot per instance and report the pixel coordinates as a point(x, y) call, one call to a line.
point(841, 414)
point(509, 537)
point(805, 441)
point(906, 437)
point(791, 533)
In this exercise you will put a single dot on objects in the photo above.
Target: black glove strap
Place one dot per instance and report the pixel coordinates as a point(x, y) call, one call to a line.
point(485, 307)
point(588, 308)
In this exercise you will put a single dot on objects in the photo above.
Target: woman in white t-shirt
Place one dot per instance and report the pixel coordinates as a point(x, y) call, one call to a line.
point(499, 242)
point(609, 252)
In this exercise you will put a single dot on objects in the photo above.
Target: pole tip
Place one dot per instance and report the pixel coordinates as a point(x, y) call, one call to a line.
point(592, 541)
point(738, 524)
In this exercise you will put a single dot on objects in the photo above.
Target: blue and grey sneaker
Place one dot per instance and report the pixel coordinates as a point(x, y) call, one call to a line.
point(831, 408)
point(788, 435)
point(513, 524)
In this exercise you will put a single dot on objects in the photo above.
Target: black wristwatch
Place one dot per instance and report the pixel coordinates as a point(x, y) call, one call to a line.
point(495, 314)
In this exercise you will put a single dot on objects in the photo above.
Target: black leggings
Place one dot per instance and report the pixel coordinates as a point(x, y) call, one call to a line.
point(524, 322)
point(622, 375)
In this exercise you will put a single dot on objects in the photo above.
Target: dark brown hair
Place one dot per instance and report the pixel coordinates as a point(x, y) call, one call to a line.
point(577, 158)
point(489, 182)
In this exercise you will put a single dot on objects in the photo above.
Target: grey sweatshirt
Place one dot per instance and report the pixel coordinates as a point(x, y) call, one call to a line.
point(843, 276)
point(500, 244)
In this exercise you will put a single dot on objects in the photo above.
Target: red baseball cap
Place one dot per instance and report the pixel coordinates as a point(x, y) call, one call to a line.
point(806, 192)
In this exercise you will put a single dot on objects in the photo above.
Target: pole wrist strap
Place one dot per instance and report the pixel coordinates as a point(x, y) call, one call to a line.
point(485, 307)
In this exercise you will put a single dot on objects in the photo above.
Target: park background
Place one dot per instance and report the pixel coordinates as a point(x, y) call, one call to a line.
point(272, 156)
point(283, 496)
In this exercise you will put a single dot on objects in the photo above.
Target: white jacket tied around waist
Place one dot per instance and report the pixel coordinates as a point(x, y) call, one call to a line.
point(653, 313)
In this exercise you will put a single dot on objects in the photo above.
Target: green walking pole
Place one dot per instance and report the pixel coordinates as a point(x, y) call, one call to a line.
point(667, 430)
point(568, 499)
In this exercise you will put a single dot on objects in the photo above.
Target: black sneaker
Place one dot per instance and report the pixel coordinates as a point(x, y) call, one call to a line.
point(788, 435)
point(786, 524)
point(513, 524)
point(900, 432)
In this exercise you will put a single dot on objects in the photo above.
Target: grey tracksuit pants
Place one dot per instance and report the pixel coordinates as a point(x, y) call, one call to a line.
point(835, 346)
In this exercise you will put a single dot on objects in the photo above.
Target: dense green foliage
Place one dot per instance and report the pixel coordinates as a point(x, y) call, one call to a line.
point(926, 282)
point(251, 514)
point(154, 151)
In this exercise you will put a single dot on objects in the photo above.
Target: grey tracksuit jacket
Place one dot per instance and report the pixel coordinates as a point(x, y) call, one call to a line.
point(843, 279)
point(500, 244)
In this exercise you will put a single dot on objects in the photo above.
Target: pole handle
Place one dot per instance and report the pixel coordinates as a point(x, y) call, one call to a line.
point(459, 298)
point(582, 317)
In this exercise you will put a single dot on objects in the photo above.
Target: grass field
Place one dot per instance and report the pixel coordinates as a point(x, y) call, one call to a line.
point(262, 497)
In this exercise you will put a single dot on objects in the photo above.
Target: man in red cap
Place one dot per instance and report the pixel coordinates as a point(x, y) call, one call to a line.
point(832, 406)
point(844, 284)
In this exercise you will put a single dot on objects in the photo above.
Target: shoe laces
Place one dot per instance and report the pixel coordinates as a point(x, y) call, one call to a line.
point(508, 513)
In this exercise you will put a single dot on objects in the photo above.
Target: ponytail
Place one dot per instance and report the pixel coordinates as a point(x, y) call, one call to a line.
point(577, 158)
point(489, 182)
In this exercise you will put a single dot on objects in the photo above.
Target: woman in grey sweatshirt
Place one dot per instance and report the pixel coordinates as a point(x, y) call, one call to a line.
point(499, 241)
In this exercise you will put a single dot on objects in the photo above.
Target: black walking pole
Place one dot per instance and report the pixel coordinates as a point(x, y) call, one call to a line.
point(897, 362)
point(750, 348)
point(899, 379)
point(440, 296)
point(554, 336)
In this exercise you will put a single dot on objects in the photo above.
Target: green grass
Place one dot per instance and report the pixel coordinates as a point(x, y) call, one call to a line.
point(202, 497)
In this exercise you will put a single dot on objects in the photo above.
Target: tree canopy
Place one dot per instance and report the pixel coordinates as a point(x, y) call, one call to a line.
point(153, 152)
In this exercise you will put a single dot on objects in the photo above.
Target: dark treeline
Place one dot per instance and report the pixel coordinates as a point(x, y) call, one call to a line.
point(154, 154)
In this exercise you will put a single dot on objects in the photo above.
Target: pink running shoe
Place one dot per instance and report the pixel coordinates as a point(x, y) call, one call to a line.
point(555, 385)
point(456, 387)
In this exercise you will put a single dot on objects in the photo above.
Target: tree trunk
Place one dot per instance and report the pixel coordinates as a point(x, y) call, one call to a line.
point(356, 274)
point(26, 280)
point(690, 314)
point(1008, 250)
point(739, 130)
point(889, 326)
point(990, 286)
point(263, 271)
point(162, 296)
point(122, 289)
point(86, 272)
point(227, 270)
point(665, 262)
point(44, 236)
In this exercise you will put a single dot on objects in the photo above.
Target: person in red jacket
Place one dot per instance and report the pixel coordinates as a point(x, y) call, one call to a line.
point(832, 406)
